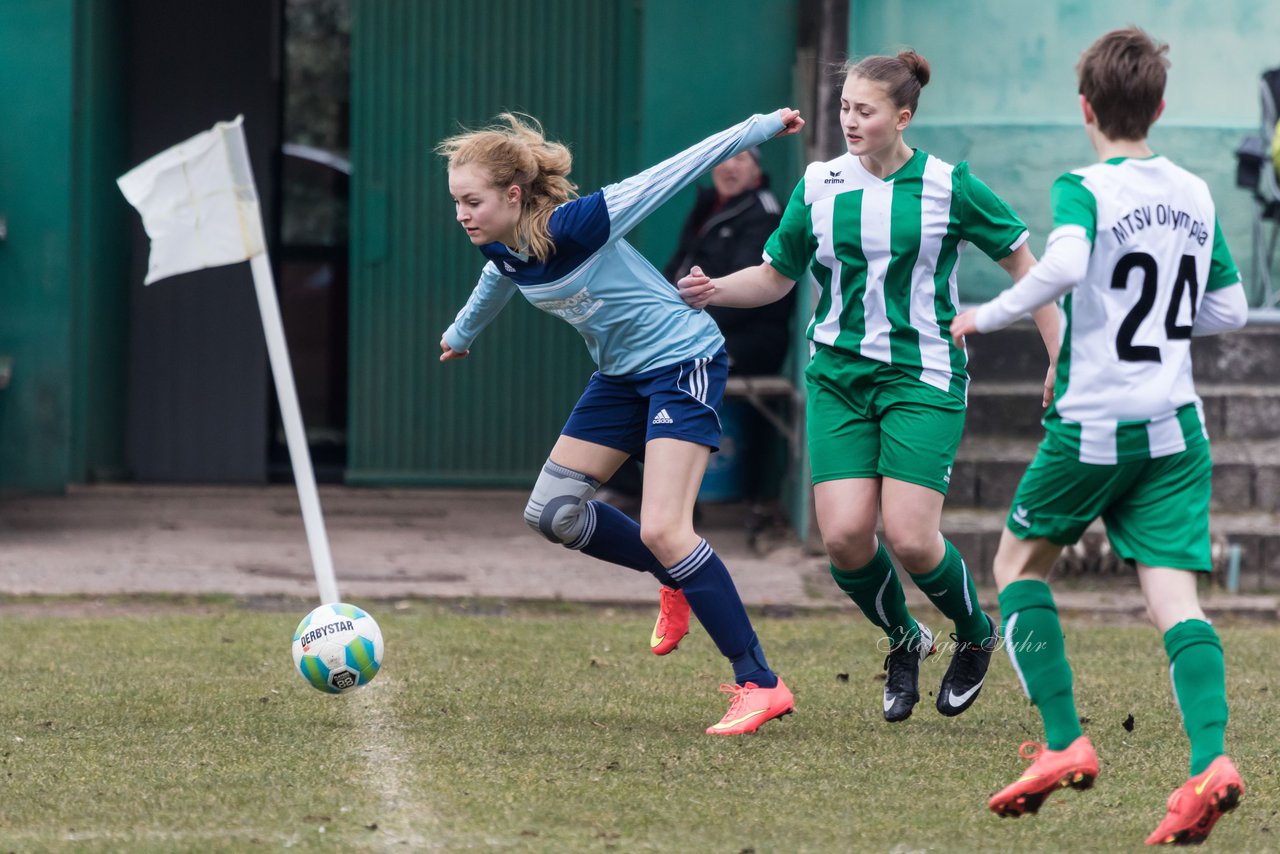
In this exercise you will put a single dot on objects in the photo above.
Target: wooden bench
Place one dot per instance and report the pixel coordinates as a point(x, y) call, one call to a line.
point(777, 399)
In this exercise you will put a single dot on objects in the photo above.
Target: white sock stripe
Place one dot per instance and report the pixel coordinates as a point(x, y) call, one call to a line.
point(884, 618)
point(1174, 686)
point(964, 579)
point(692, 563)
point(1009, 647)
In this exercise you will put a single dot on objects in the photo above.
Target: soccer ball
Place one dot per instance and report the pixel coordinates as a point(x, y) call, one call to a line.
point(337, 647)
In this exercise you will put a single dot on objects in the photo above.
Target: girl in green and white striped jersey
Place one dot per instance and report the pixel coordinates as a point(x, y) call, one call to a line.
point(881, 229)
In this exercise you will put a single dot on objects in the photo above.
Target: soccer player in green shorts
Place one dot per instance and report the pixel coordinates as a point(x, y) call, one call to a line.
point(1137, 250)
point(881, 229)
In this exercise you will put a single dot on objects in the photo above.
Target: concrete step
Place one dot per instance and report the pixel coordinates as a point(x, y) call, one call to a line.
point(1249, 355)
point(1246, 474)
point(976, 533)
point(1233, 411)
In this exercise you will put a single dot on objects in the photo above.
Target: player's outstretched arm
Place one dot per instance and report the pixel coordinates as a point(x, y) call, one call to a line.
point(1037, 286)
point(1018, 264)
point(1047, 320)
point(631, 200)
point(1063, 265)
point(1221, 310)
point(747, 288)
point(491, 293)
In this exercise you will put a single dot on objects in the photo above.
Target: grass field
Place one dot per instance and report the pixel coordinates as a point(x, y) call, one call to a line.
point(553, 729)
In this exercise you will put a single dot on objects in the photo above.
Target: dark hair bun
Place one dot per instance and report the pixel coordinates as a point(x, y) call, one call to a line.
point(916, 64)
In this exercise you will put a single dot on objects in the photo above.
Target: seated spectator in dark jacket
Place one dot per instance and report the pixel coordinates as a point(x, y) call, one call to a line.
point(725, 232)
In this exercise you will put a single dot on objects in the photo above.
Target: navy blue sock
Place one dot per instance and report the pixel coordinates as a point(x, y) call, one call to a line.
point(613, 536)
point(715, 602)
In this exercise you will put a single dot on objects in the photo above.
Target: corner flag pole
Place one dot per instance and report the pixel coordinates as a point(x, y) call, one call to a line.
point(299, 452)
point(199, 206)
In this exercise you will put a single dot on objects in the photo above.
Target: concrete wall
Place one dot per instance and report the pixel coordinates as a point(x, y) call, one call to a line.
point(1004, 93)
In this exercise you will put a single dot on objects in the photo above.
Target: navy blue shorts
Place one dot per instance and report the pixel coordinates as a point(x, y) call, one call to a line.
point(676, 402)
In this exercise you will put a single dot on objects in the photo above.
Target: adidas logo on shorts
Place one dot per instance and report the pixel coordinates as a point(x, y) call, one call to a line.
point(662, 418)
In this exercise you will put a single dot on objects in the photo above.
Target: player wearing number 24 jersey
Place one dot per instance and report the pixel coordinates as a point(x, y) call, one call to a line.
point(1143, 233)
point(1138, 256)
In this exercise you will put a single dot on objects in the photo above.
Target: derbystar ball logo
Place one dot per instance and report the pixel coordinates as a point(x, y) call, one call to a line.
point(327, 629)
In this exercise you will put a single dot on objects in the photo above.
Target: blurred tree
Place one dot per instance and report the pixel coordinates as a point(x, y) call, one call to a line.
point(317, 95)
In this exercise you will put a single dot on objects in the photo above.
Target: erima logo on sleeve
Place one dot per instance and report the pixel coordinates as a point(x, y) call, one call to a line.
point(835, 178)
point(506, 265)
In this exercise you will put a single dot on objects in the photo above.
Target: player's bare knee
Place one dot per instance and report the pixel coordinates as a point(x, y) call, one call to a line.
point(1005, 573)
point(850, 547)
point(917, 550)
point(668, 539)
point(1023, 560)
point(557, 507)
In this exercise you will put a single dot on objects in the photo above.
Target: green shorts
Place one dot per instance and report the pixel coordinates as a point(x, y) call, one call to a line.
point(1156, 511)
point(869, 419)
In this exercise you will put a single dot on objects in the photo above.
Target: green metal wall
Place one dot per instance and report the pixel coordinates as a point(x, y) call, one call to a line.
point(419, 72)
point(36, 61)
point(1004, 93)
point(59, 269)
point(100, 240)
point(705, 66)
point(614, 79)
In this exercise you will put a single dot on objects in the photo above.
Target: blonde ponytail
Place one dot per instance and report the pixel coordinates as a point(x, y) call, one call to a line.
point(518, 153)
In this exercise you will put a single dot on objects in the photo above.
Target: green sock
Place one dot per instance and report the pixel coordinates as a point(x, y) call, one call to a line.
point(876, 590)
point(1200, 686)
point(951, 589)
point(1033, 637)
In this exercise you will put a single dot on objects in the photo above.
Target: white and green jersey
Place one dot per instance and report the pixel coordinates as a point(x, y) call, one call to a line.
point(1123, 389)
point(885, 253)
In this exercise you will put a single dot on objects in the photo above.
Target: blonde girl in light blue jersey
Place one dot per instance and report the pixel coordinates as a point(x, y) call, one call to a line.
point(662, 369)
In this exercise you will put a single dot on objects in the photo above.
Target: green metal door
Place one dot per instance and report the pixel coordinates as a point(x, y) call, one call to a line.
point(36, 49)
point(61, 257)
point(419, 71)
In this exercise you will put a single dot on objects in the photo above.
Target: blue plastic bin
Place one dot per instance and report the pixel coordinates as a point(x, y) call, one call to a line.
point(725, 480)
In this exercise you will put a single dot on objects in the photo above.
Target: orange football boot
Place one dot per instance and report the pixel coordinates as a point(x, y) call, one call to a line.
point(673, 621)
point(1196, 805)
point(1077, 766)
point(751, 706)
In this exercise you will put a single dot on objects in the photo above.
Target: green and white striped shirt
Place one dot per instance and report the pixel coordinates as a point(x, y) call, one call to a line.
point(1124, 390)
point(885, 253)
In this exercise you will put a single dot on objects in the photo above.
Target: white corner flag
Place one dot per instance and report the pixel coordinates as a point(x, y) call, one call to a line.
point(200, 208)
point(198, 203)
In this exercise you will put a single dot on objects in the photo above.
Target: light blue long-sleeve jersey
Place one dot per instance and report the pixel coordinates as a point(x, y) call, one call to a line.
point(630, 316)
